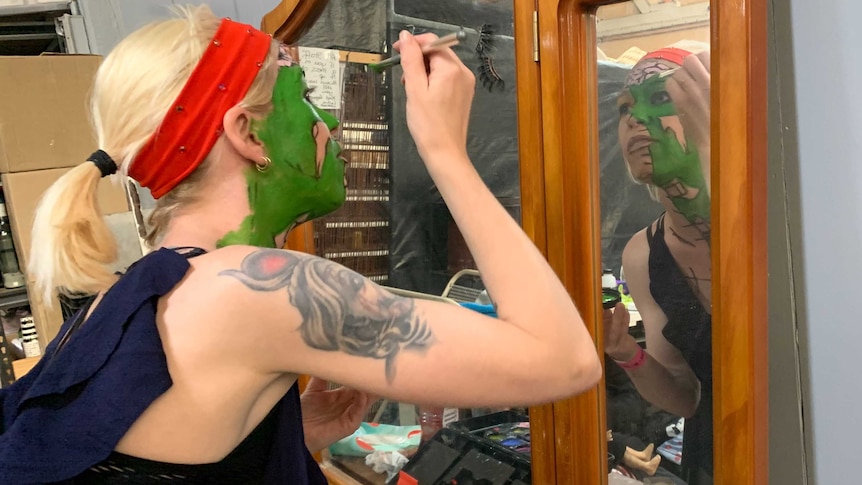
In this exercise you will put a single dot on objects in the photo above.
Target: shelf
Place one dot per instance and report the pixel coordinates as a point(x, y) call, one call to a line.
point(26, 37)
point(35, 8)
point(30, 30)
point(13, 298)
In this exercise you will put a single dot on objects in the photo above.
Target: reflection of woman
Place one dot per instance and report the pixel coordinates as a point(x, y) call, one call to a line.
point(152, 378)
point(664, 134)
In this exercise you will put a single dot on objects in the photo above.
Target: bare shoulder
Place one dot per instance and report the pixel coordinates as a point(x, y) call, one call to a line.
point(233, 270)
point(636, 255)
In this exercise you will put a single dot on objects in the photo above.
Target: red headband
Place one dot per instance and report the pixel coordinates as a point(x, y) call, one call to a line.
point(672, 54)
point(192, 125)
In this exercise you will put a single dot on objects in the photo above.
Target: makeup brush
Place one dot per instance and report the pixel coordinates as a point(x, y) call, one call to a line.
point(441, 43)
point(669, 72)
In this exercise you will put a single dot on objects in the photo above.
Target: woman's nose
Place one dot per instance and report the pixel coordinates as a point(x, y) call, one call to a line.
point(330, 121)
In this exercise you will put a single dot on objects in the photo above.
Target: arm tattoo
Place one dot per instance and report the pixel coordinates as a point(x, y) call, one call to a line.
point(341, 310)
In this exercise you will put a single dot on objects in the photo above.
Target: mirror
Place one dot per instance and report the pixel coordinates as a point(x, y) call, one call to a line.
point(654, 156)
point(394, 227)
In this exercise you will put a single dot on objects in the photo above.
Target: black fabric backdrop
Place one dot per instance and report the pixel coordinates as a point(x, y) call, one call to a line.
point(419, 220)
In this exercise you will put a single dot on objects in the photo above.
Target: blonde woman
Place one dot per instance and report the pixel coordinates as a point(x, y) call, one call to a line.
point(212, 117)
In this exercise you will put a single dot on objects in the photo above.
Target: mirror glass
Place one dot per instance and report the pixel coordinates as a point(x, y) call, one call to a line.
point(654, 147)
point(395, 228)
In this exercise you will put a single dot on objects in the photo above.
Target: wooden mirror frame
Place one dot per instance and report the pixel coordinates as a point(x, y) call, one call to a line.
point(561, 214)
point(291, 19)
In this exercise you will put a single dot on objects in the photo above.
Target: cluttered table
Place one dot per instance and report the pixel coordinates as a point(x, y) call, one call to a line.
point(493, 447)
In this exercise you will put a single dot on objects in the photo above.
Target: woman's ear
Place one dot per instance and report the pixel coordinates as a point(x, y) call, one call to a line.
point(239, 132)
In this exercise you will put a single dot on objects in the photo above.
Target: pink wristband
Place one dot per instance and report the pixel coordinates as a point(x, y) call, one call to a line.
point(635, 362)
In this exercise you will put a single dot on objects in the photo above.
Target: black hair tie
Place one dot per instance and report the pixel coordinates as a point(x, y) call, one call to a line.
point(103, 162)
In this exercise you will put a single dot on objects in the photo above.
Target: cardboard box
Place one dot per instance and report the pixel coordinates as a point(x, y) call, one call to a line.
point(23, 366)
point(23, 191)
point(47, 317)
point(44, 120)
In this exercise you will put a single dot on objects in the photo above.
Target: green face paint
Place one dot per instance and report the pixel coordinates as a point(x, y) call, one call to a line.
point(306, 179)
point(676, 166)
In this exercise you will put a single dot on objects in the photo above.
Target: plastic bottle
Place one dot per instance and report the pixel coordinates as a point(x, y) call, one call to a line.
point(430, 420)
point(608, 279)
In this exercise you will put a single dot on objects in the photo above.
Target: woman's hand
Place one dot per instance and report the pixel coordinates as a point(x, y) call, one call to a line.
point(689, 88)
point(440, 92)
point(619, 344)
point(329, 415)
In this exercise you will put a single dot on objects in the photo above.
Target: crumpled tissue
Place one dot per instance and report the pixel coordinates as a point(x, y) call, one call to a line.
point(388, 462)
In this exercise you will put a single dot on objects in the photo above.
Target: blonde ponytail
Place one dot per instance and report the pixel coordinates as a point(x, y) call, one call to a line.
point(73, 248)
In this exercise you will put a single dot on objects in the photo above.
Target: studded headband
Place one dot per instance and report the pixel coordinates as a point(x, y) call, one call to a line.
point(192, 125)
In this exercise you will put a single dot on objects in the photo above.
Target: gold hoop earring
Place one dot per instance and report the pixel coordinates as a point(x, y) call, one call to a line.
point(267, 162)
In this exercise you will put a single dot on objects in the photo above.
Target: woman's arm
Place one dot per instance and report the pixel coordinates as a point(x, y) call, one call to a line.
point(665, 378)
point(311, 316)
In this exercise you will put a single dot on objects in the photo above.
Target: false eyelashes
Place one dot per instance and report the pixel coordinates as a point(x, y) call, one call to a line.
point(485, 47)
point(489, 76)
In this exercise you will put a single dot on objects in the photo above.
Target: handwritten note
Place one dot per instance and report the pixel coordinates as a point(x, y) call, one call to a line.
point(322, 73)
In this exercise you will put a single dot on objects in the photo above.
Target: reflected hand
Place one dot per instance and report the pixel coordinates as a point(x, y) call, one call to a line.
point(329, 415)
point(689, 88)
point(619, 344)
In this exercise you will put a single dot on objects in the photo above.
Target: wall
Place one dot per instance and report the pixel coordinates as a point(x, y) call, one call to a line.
point(787, 463)
point(108, 21)
point(826, 228)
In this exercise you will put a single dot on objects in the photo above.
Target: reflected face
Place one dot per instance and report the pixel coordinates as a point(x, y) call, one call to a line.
point(306, 178)
point(647, 117)
point(653, 142)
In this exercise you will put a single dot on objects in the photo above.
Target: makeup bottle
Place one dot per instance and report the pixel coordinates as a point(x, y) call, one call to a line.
point(12, 277)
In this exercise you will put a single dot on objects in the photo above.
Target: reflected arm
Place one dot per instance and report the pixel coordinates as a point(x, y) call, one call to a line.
point(665, 379)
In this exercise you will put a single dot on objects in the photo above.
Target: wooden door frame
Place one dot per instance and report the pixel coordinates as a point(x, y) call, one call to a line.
point(562, 216)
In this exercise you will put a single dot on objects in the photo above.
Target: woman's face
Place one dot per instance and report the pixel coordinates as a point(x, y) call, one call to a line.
point(649, 127)
point(306, 179)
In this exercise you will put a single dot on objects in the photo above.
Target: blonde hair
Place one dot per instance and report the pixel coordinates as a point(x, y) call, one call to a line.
point(73, 249)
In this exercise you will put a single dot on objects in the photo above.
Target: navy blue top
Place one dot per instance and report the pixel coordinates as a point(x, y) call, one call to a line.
point(70, 411)
point(689, 329)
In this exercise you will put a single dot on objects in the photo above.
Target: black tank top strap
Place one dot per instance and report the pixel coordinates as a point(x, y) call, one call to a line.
point(660, 224)
point(659, 231)
point(188, 251)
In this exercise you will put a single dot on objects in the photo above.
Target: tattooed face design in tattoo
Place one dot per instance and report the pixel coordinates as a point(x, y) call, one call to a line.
point(306, 177)
point(341, 310)
point(654, 145)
